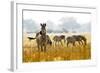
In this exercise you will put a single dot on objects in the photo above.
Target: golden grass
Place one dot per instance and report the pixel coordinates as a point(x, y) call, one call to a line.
point(56, 53)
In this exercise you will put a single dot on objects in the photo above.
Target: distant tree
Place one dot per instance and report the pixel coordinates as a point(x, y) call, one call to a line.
point(65, 30)
point(73, 31)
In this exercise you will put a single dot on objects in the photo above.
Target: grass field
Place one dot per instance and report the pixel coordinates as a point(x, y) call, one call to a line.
point(58, 52)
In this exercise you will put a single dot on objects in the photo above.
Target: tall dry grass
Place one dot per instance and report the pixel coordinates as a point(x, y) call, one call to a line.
point(56, 52)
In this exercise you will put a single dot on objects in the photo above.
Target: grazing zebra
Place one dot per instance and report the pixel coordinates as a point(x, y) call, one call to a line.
point(63, 38)
point(76, 38)
point(70, 40)
point(58, 39)
point(83, 39)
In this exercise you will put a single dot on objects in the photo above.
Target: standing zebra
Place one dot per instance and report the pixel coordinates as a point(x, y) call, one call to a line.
point(41, 39)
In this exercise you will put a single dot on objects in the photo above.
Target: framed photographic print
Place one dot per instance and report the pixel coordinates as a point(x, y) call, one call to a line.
point(52, 36)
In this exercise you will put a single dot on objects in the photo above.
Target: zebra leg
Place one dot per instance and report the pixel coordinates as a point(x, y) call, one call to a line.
point(73, 43)
point(80, 43)
point(38, 47)
point(67, 44)
point(55, 43)
point(41, 47)
point(61, 43)
point(44, 48)
point(64, 41)
point(85, 42)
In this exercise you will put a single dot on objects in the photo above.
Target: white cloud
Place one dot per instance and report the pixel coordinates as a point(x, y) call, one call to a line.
point(56, 22)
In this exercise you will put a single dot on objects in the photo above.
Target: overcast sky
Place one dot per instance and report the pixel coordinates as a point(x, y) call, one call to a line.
point(55, 20)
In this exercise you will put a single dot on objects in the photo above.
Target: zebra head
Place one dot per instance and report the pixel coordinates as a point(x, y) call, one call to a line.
point(43, 28)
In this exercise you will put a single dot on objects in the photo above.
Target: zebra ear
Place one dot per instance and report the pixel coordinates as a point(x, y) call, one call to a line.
point(41, 24)
point(40, 32)
point(45, 24)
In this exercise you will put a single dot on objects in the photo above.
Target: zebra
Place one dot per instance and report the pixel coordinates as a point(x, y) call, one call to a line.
point(58, 39)
point(76, 38)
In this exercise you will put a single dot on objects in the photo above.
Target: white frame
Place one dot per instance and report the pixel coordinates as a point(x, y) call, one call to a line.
point(16, 51)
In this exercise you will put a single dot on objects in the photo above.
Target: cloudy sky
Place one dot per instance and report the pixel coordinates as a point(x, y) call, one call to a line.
point(56, 21)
